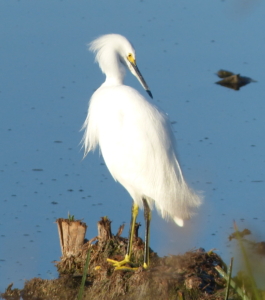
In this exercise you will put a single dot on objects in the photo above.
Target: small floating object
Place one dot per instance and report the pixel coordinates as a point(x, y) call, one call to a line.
point(224, 73)
point(239, 234)
point(233, 81)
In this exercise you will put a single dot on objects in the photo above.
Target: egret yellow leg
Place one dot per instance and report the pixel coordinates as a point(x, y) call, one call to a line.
point(119, 265)
point(147, 218)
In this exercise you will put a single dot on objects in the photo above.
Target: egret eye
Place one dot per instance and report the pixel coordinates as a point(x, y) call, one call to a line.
point(131, 58)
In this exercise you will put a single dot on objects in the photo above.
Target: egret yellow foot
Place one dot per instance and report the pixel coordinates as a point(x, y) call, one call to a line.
point(120, 265)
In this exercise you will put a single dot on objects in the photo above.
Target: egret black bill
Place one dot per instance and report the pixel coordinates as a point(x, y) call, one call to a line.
point(140, 77)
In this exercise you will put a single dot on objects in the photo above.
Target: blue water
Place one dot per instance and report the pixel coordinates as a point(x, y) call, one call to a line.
point(46, 79)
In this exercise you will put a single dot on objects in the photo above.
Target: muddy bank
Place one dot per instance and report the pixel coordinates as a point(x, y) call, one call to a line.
point(192, 275)
point(188, 276)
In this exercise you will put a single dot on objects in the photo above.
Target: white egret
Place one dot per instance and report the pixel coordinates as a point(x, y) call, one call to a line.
point(136, 141)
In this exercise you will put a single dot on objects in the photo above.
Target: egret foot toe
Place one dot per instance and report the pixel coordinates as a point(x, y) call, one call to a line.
point(120, 265)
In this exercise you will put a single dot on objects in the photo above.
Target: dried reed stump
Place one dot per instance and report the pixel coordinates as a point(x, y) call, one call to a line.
point(104, 230)
point(72, 236)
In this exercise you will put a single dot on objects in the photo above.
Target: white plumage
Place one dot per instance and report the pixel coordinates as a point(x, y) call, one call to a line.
point(135, 137)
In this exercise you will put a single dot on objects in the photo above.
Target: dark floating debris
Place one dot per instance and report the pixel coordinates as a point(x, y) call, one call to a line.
point(239, 234)
point(224, 73)
point(257, 247)
point(233, 81)
point(37, 170)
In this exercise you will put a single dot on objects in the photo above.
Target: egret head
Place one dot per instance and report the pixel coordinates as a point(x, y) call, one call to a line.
point(113, 53)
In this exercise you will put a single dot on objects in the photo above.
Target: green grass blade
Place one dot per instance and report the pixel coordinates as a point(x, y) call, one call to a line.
point(238, 290)
point(229, 278)
point(82, 286)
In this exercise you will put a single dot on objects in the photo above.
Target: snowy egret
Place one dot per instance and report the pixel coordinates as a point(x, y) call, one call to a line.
point(136, 141)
